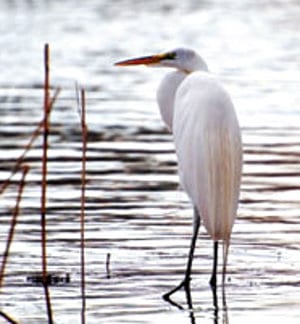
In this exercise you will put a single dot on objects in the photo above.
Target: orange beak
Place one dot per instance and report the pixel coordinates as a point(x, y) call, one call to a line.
point(152, 59)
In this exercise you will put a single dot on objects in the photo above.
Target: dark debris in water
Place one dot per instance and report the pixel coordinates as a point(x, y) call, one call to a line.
point(52, 279)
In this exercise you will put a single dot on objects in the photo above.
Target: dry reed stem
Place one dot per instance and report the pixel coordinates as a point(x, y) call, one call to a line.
point(35, 134)
point(82, 214)
point(46, 127)
point(13, 224)
point(107, 265)
point(8, 318)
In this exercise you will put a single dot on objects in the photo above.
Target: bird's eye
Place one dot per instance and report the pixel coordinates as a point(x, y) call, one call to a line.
point(170, 56)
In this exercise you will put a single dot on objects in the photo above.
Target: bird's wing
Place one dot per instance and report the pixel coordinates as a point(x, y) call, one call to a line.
point(208, 145)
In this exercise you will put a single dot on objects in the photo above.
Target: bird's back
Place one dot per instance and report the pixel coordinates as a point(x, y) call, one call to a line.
point(208, 145)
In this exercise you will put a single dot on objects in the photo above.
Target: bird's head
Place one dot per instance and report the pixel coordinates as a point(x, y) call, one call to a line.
point(183, 59)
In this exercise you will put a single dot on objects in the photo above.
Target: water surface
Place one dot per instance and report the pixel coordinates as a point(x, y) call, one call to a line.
point(136, 210)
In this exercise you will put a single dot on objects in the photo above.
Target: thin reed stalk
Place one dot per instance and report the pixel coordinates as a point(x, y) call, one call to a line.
point(8, 318)
point(84, 131)
point(13, 224)
point(34, 135)
point(46, 127)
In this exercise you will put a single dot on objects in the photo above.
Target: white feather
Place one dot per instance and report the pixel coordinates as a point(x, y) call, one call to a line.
point(208, 145)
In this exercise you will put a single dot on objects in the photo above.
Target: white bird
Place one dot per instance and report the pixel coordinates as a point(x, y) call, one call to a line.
point(200, 114)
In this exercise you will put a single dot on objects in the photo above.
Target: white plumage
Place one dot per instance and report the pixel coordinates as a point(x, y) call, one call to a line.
point(208, 146)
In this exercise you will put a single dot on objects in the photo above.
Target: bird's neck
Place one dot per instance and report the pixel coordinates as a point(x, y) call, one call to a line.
point(167, 90)
point(166, 95)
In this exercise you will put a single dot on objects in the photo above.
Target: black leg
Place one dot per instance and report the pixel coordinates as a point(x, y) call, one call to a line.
point(193, 245)
point(215, 303)
point(186, 281)
point(213, 279)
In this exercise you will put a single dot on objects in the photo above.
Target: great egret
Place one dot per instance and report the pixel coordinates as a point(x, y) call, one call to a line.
point(200, 114)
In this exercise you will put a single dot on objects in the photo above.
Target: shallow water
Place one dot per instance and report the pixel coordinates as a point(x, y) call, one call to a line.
point(136, 210)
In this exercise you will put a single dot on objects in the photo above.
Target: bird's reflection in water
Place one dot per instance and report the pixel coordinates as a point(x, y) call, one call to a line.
point(217, 317)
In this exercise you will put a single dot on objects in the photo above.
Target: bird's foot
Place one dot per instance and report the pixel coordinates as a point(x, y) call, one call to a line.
point(184, 284)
